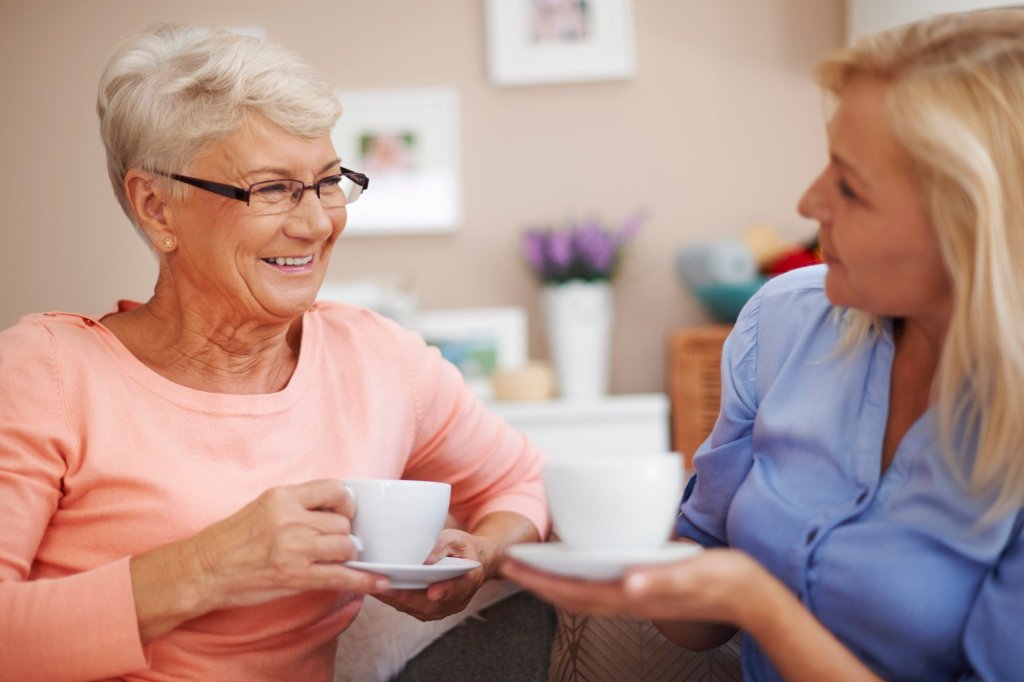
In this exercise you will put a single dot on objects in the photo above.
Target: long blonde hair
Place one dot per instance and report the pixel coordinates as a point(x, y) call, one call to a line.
point(955, 100)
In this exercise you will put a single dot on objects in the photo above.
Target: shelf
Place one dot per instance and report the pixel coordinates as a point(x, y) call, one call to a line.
point(617, 424)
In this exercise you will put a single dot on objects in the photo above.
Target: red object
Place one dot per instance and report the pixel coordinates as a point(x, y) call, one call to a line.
point(792, 260)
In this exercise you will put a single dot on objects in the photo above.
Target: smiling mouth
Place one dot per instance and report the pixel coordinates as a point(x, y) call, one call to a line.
point(288, 260)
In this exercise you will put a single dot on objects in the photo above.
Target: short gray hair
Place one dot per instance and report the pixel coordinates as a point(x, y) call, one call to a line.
point(171, 90)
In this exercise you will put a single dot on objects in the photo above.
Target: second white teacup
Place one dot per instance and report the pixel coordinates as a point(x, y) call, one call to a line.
point(627, 502)
point(397, 522)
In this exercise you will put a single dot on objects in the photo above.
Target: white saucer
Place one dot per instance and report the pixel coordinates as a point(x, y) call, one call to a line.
point(597, 564)
point(418, 577)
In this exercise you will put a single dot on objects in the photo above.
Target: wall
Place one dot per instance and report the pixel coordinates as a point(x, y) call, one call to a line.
point(868, 16)
point(720, 128)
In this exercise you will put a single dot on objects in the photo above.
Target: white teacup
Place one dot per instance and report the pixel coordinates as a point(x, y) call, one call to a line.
point(617, 502)
point(397, 522)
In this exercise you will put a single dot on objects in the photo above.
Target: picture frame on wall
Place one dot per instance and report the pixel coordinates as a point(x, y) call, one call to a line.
point(407, 142)
point(479, 341)
point(533, 42)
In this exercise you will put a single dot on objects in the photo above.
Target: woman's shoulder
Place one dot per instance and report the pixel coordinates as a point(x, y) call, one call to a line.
point(39, 331)
point(803, 287)
point(790, 315)
point(359, 325)
point(38, 352)
point(793, 300)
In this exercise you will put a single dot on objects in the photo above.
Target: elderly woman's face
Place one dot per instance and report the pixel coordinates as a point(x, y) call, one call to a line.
point(882, 253)
point(247, 265)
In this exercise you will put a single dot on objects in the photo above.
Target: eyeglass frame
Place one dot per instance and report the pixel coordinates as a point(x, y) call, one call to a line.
point(242, 194)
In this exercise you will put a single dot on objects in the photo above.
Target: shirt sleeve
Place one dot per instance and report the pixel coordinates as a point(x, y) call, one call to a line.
point(78, 627)
point(491, 466)
point(724, 459)
point(995, 626)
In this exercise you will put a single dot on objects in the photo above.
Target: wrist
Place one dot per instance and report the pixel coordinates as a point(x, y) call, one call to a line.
point(764, 604)
point(165, 591)
point(490, 553)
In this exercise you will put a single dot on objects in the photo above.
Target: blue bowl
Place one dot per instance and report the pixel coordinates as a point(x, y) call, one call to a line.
point(724, 301)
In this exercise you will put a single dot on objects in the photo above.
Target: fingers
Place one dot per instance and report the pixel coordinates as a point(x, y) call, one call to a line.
point(332, 548)
point(583, 596)
point(338, 577)
point(669, 580)
point(326, 493)
point(329, 523)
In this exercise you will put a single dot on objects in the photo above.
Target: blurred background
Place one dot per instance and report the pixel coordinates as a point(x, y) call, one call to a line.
point(717, 128)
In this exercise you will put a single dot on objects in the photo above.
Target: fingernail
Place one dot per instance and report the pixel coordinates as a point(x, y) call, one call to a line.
point(636, 584)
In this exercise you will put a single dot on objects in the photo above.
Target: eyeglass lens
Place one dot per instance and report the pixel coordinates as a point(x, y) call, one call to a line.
point(275, 196)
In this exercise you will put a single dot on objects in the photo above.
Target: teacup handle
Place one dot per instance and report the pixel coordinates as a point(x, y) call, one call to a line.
point(354, 538)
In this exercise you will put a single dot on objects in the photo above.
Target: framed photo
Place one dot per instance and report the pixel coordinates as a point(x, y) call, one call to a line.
point(478, 341)
point(407, 142)
point(559, 41)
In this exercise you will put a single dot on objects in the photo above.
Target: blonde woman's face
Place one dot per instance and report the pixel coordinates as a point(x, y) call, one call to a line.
point(242, 266)
point(880, 248)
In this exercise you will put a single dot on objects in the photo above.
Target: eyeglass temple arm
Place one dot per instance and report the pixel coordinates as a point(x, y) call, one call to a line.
point(356, 177)
point(228, 191)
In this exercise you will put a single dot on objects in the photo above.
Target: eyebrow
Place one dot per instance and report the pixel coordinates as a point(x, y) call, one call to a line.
point(284, 171)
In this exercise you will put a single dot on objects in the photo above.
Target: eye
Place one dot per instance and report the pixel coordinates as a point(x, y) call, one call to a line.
point(329, 183)
point(846, 191)
point(272, 190)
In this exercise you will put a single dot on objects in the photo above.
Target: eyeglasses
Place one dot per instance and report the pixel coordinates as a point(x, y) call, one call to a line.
point(278, 196)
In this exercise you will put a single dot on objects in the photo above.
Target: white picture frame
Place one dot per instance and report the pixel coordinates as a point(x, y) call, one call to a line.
point(407, 142)
point(591, 40)
point(479, 341)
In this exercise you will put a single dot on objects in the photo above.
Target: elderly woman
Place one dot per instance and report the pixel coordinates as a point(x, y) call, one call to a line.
point(169, 472)
point(866, 470)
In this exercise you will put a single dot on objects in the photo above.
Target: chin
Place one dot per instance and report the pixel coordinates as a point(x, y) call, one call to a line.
point(836, 293)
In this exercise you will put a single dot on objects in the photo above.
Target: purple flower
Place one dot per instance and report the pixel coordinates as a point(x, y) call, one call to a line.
point(587, 251)
point(534, 249)
point(560, 251)
point(595, 248)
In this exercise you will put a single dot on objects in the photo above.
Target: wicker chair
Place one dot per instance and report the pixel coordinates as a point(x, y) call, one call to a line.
point(694, 385)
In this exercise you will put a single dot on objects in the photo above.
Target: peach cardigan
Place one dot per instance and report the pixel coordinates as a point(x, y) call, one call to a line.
point(101, 458)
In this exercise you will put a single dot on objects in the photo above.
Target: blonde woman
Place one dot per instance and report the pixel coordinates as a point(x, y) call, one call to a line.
point(863, 485)
point(170, 472)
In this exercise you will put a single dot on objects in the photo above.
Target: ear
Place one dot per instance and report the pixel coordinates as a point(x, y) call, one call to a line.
point(149, 204)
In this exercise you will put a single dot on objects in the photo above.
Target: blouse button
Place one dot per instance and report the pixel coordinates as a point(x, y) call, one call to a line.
point(811, 535)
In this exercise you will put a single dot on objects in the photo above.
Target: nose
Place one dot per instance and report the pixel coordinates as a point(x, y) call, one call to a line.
point(814, 203)
point(310, 220)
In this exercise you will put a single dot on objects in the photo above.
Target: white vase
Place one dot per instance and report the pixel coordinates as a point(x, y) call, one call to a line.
point(579, 322)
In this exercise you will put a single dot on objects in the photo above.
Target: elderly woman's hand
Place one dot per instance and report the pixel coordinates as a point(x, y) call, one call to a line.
point(288, 540)
point(486, 543)
point(448, 596)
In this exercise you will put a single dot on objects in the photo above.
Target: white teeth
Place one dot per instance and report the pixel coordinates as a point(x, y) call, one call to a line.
point(281, 260)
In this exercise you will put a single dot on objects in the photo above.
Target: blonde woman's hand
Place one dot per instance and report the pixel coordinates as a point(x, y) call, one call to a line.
point(716, 585)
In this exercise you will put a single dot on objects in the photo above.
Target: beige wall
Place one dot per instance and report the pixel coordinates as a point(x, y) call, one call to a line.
point(721, 127)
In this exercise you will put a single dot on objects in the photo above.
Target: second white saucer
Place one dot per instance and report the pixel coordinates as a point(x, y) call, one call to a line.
point(597, 564)
point(418, 577)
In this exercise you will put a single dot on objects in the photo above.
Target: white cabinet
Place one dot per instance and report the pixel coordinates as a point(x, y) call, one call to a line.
point(617, 424)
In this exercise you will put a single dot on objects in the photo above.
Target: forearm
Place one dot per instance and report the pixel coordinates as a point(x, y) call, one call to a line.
point(502, 529)
point(797, 643)
point(694, 635)
point(79, 627)
point(165, 595)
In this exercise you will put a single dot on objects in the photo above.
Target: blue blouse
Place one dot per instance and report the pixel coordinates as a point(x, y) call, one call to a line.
point(896, 566)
